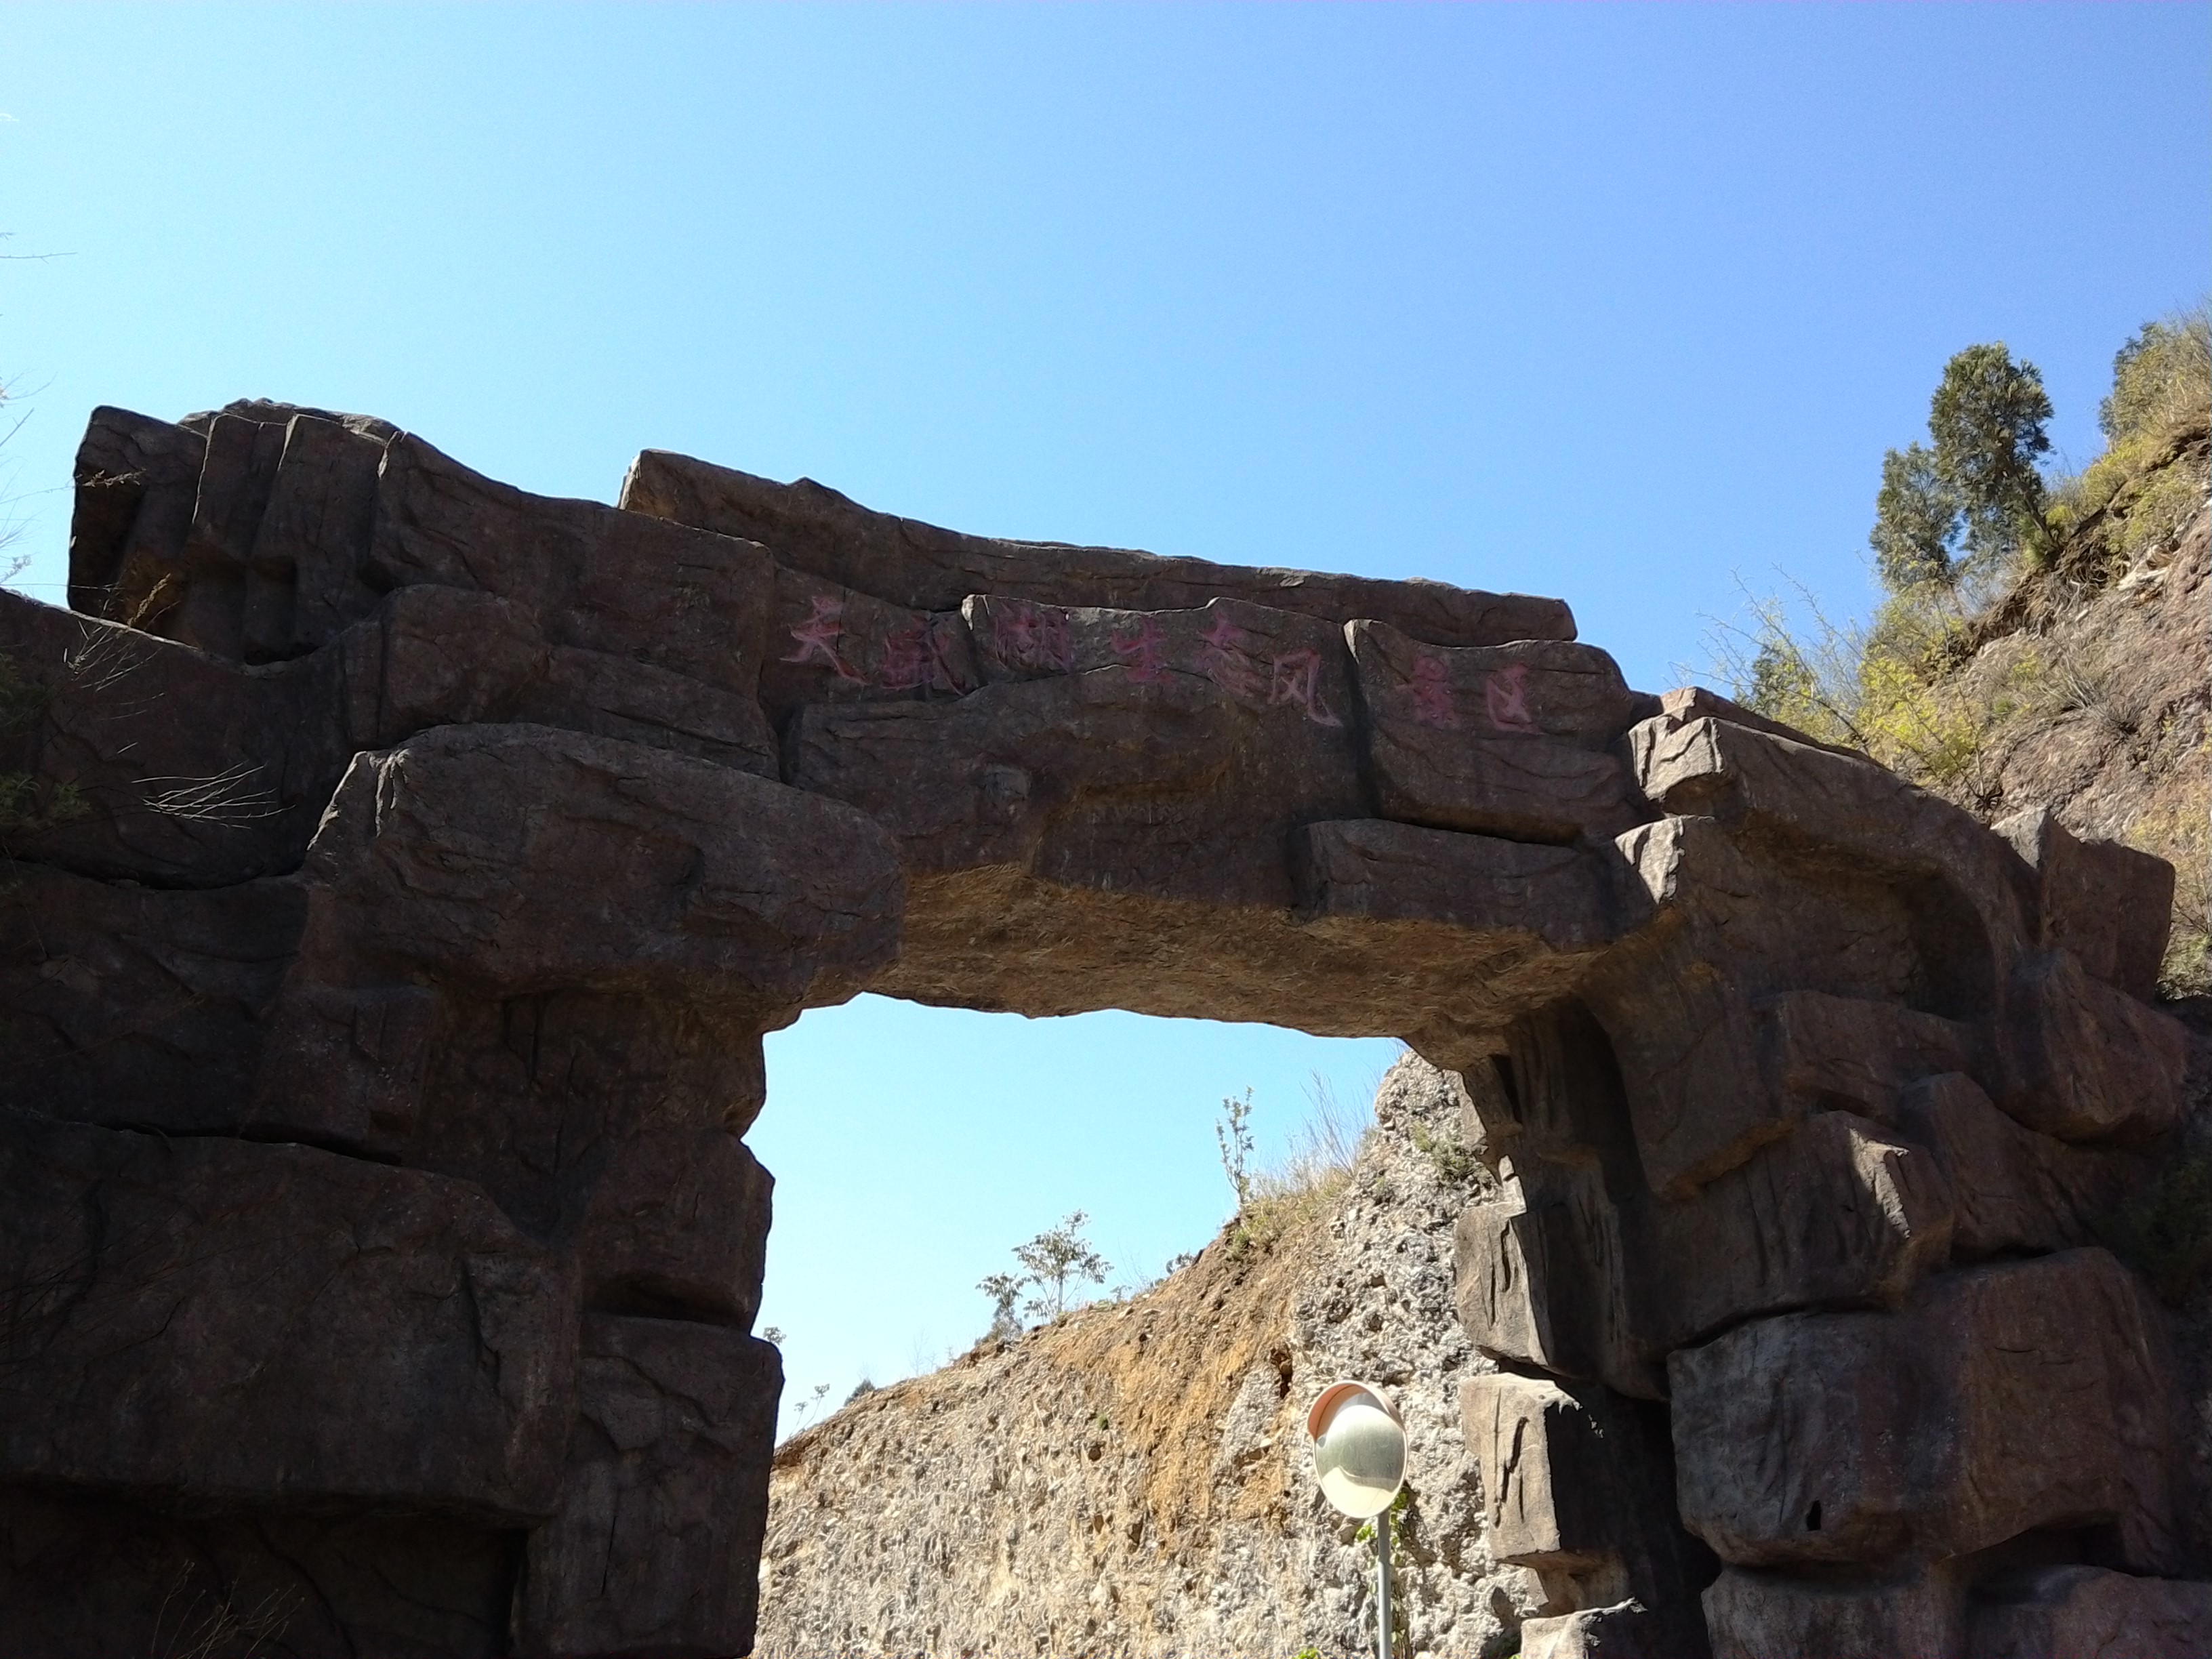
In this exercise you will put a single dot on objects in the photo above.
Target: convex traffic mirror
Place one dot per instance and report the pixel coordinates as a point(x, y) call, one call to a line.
point(1359, 1448)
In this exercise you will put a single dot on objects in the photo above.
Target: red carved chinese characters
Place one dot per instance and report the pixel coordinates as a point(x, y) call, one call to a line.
point(1145, 650)
point(1031, 636)
point(914, 658)
point(817, 637)
point(1506, 695)
point(1430, 685)
point(1297, 681)
point(1226, 661)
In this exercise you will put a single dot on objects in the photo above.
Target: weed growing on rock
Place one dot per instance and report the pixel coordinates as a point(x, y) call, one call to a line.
point(1272, 1202)
point(1455, 1165)
point(208, 1628)
point(1232, 1132)
point(812, 1401)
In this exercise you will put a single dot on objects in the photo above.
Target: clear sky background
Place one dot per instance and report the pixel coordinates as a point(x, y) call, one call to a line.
point(1613, 304)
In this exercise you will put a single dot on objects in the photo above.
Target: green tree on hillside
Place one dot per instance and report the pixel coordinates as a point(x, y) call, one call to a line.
point(1005, 1290)
point(1916, 526)
point(2159, 377)
point(1977, 551)
point(2142, 492)
point(1988, 418)
point(1972, 502)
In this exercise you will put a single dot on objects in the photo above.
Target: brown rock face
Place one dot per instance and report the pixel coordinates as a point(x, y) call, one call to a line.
point(1754, 1614)
point(2085, 1061)
point(1840, 1212)
point(825, 534)
point(1507, 739)
point(2074, 1610)
point(2106, 904)
point(413, 865)
point(658, 1534)
point(2003, 1400)
point(233, 1320)
point(1579, 1488)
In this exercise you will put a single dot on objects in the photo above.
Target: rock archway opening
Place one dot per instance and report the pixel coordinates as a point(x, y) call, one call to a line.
point(912, 1148)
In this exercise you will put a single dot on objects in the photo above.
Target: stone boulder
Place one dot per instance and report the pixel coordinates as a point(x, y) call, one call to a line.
point(657, 1543)
point(2062, 1613)
point(1762, 1615)
point(1978, 892)
point(139, 1007)
point(1830, 995)
point(1999, 1401)
point(814, 528)
point(212, 1322)
point(2084, 1061)
point(187, 770)
point(2108, 905)
point(85, 1577)
point(1579, 1488)
point(1626, 1629)
point(656, 873)
point(1841, 1213)
point(1507, 739)
point(2013, 1190)
point(678, 1222)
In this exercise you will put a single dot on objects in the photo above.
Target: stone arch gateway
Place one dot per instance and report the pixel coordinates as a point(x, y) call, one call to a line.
point(411, 867)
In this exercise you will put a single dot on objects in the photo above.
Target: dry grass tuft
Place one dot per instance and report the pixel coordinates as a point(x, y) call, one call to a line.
point(1284, 1198)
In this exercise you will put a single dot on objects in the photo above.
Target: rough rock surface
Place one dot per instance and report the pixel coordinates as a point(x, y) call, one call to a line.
point(662, 1509)
point(818, 530)
point(2001, 1401)
point(2088, 1613)
point(172, 1303)
point(405, 868)
point(1136, 1479)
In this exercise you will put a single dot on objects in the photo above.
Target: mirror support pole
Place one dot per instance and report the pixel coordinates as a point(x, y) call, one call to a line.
point(1383, 1646)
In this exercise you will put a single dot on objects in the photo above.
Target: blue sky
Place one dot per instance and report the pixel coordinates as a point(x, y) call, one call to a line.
point(1614, 304)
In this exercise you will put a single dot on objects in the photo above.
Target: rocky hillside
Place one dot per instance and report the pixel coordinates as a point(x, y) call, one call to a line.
point(1135, 1479)
point(2104, 694)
